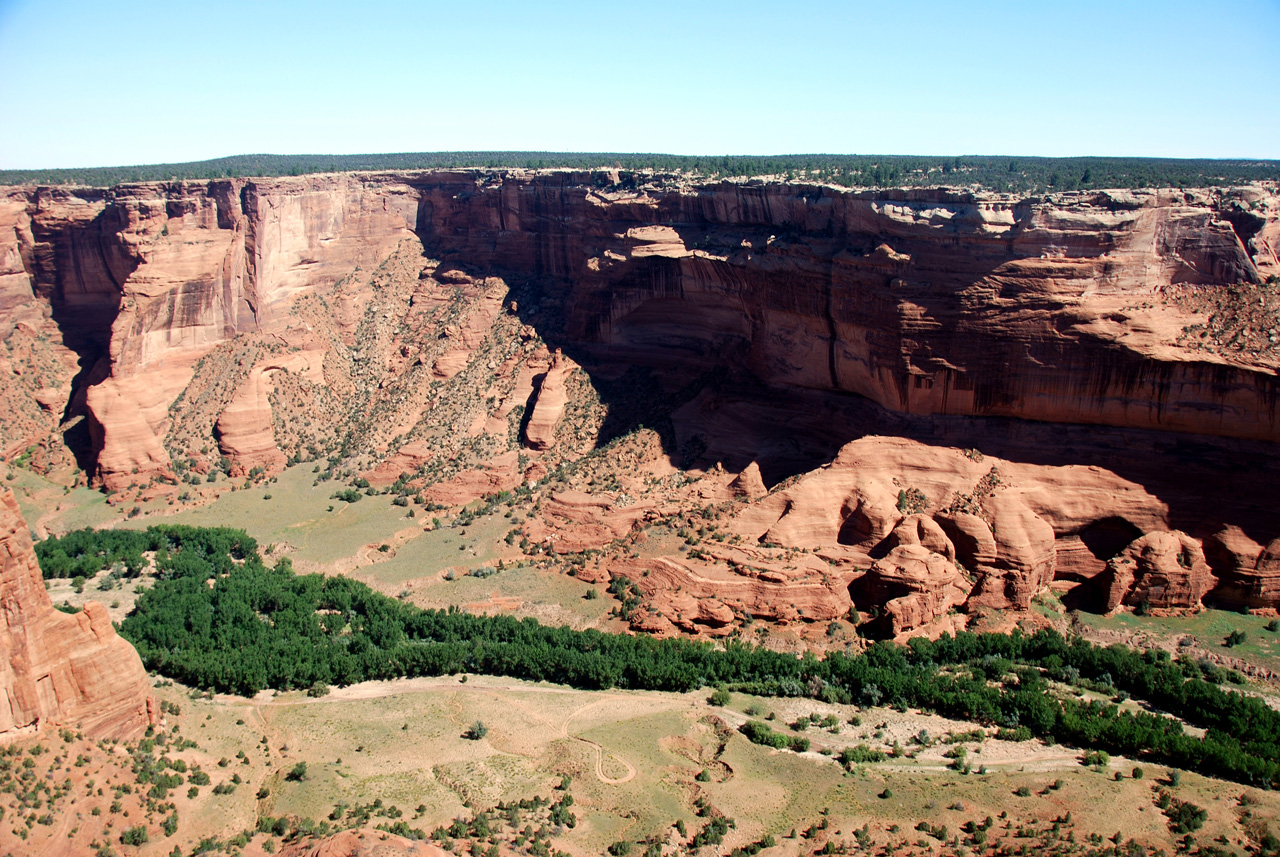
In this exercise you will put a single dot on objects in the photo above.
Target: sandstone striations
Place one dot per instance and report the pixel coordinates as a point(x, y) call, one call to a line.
point(60, 669)
point(1161, 569)
point(923, 401)
point(925, 302)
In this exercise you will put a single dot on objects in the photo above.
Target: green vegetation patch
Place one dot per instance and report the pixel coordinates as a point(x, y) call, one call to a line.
point(233, 624)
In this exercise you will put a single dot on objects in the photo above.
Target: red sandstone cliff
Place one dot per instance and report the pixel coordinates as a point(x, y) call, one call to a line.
point(927, 302)
point(1082, 340)
point(55, 668)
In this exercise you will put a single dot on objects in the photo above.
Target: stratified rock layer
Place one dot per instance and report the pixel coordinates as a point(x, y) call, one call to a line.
point(943, 399)
point(365, 842)
point(926, 302)
point(60, 669)
point(920, 514)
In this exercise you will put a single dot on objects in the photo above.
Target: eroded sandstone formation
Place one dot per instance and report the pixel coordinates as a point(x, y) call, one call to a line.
point(548, 407)
point(1161, 569)
point(363, 842)
point(927, 520)
point(940, 399)
point(59, 669)
point(926, 302)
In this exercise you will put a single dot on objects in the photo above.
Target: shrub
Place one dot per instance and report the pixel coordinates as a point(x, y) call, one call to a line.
point(1185, 817)
point(297, 773)
point(476, 731)
point(1096, 758)
point(135, 836)
point(719, 698)
point(759, 733)
point(859, 755)
point(1019, 733)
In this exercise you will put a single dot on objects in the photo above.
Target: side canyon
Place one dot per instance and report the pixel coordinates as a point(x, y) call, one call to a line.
point(928, 406)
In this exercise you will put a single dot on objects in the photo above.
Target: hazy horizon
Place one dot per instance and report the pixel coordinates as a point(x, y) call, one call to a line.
point(706, 155)
point(139, 83)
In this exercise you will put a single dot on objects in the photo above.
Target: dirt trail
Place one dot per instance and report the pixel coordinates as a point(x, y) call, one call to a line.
point(371, 554)
point(599, 751)
point(1029, 756)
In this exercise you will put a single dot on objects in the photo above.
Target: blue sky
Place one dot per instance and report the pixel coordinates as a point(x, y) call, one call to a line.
point(125, 82)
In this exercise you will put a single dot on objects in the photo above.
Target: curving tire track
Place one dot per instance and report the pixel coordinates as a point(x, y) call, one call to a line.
point(563, 729)
point(599, 751)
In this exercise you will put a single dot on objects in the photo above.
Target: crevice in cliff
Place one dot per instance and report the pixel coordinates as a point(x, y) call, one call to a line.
point(248, 199)
point(1245, 224)
point(81, 270)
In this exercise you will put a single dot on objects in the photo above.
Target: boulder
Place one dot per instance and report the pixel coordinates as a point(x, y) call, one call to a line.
point(749, 483)
point(1025, 556)
point(975, 547)
point(914, 585)
point(1163, 570)
point(924, 531)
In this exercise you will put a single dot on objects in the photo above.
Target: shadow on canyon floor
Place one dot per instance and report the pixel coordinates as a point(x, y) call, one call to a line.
point(708, 407)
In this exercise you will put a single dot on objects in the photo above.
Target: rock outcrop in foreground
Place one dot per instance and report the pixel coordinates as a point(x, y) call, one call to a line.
point(56, 668)
point(364, 843)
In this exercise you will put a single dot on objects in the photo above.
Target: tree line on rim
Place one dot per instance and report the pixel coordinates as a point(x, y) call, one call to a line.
point(991, 172)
